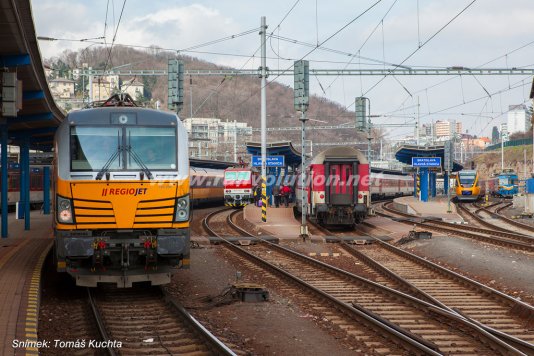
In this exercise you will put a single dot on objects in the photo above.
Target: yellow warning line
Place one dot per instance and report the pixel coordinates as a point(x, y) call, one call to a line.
point(10, 254)
point(32, 311)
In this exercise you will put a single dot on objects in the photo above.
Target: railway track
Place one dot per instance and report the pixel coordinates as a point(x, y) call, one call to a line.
point(492, 221)
point(497, 313)
point(505, 317)
point(366, 303)
point(501, 238)
point(511, 223)
point(148, 322)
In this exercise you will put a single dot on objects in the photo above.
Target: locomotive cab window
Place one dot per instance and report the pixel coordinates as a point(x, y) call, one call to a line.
point(92, 147)
point(153, 146)
point(230, 175)
point(467, 180)
point(123, 148)
point(243, 175)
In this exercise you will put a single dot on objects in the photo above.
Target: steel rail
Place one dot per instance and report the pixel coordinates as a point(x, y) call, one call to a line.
point(402, 336)
point(509, 339)
point(455, 229)
point(100, 322)
point(504, 218)
point(523, 310)
point(474, 215)
point(215, 344)
point(441, 309)
point(211, 341)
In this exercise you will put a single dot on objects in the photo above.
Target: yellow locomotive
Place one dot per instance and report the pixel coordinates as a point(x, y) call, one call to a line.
point(122, 199)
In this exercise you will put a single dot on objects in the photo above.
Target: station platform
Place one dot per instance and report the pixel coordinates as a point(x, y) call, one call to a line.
point(280, 222)
point(437, 207)
point(21, 258)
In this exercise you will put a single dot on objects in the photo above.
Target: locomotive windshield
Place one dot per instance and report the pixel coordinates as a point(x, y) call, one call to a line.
point(235, 175)
point(123, 148)
point(467, 179)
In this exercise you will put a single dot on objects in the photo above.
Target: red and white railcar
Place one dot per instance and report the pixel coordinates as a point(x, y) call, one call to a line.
point(387, 183)
point(238, 186)
point(337, 187)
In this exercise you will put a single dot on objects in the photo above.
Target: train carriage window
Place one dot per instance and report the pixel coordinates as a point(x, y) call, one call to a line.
point(155, 146)
point(13, 181)
point(36, 182)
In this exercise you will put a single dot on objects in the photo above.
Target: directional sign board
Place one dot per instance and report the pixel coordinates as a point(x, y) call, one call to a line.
point(272, 161)
point(426, 161)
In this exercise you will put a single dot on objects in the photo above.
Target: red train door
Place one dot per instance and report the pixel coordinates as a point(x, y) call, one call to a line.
point(341, 190)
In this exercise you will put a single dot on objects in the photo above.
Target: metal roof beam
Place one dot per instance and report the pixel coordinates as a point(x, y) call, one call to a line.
point(15, 60)
point(31, 118)
point(33, 95)
point(31, 132)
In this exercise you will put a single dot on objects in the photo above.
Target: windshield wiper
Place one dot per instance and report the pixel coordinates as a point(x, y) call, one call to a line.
point(106, 166)
point(141, 164)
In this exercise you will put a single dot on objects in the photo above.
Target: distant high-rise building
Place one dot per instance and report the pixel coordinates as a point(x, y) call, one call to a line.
point(207, 134)
point(518, 119)
point(447, 129)
point(425, 130)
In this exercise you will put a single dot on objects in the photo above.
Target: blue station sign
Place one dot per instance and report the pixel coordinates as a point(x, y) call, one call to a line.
point(426, 161)
point(272, 161)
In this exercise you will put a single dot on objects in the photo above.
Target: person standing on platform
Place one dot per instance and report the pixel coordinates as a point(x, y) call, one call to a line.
point(286, 194)
point(257, 194)
point(276, 195)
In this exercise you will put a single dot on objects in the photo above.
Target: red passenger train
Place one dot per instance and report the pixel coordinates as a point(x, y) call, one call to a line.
point(337, 187)
point(13, 185)
point(238, 186)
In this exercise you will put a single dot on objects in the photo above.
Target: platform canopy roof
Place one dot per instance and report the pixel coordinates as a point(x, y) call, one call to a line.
point(283, 148)
point(19, 53)
point(405, 153)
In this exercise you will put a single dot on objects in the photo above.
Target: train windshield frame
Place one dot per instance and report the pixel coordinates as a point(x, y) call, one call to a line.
point(467, 180)
point(124, 148)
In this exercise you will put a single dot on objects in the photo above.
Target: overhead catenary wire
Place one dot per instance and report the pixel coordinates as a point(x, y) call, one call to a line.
point(421, 46)
point(109, 60)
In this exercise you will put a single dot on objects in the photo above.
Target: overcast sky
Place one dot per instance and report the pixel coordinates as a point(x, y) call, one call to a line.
point(489, 33)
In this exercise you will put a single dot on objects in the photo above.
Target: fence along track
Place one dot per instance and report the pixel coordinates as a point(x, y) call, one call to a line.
point(149, 321)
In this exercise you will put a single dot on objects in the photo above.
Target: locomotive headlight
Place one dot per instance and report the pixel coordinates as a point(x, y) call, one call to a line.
point(64, 204)
point(64, 210)
point(182, 209)
point(182, 203)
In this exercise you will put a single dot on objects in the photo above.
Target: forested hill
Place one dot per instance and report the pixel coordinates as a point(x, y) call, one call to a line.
point(230, 98)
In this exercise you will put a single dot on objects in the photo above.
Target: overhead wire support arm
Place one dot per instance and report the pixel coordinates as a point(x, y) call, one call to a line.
point(316, 72)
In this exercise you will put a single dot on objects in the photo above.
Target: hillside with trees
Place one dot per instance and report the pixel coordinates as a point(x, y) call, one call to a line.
point(229, 98)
